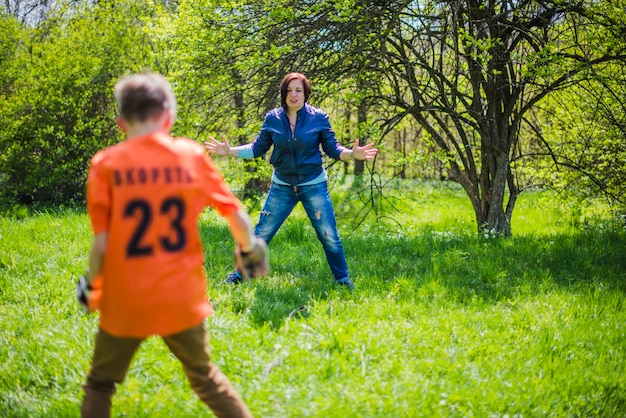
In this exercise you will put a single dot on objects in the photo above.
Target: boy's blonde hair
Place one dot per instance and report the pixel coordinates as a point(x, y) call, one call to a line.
point(143, 96)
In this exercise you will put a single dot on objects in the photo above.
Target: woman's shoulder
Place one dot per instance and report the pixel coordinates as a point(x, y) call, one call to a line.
point(275, 113)
point(315, 113)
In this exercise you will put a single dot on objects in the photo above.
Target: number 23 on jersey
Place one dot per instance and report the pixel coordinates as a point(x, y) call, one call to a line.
point(171, 207)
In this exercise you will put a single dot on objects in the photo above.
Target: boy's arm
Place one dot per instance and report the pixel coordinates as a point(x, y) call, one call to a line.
point(242, 230)
point(87, 294)
point(250, 252)
point(96, 256)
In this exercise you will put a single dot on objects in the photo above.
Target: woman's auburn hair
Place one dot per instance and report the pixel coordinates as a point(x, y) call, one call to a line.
point(284, 84)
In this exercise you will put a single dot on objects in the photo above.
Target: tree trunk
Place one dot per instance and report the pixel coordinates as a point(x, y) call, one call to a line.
point(492, 218)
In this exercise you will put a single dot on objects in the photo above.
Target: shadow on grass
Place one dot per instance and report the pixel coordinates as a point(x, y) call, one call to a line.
point(496, 269)
point(299, 275)
point(460, 267)
point(275, 302)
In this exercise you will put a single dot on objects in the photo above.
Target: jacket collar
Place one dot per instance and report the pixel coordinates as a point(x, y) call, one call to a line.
point(300, 111)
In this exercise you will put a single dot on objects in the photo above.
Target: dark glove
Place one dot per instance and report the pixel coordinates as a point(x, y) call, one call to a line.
point(83, 292)
point(253, 263)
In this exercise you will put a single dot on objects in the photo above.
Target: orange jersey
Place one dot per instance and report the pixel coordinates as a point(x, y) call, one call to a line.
point(147, 193)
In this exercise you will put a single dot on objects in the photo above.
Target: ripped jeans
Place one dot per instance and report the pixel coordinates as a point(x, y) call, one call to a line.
point(316, 201)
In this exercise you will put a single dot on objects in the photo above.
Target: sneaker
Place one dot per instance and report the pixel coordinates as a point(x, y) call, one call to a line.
point(346, 282)
point(234, 278)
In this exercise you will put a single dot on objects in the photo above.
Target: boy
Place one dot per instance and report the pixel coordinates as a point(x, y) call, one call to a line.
point(144, 197)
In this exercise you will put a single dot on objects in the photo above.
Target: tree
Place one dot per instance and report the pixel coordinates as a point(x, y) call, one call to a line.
point(11, 36)
point(218, 81)
point(250, 45)
point(60, 109)
point(587, 136)
point(583, 137)
point(467, 71)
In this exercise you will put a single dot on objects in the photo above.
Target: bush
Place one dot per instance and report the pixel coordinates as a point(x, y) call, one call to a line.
point(60, 108)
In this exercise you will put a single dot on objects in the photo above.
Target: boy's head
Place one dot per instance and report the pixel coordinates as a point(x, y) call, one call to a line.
point(144, 97)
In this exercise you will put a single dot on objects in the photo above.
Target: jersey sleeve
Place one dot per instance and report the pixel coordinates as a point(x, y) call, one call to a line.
point(98, 195)
point(219, 195)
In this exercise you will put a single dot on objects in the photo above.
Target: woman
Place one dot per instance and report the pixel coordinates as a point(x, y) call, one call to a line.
point(296, 130)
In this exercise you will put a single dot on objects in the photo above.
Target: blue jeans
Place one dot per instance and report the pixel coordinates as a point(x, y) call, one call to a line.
point(316, 202)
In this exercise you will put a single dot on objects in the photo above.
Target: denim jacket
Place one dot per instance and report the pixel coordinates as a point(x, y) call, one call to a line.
point(296, 157)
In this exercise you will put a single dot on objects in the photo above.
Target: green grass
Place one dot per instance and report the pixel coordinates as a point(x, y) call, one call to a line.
point(443, 322)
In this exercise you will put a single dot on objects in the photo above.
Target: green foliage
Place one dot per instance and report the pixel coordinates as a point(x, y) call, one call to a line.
point(60, 110)
point(468, 73)
point(576, 142)
point(442, 323)
point(588, 137)
point(468, 78)
point(11, 35)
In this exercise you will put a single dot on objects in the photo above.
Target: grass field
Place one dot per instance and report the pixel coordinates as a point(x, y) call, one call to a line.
point(443, 322)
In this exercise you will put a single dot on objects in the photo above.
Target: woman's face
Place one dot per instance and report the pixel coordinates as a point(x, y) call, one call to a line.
point(295, 95)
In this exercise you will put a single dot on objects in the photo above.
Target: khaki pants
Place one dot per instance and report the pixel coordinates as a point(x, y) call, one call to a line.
point(112, 358)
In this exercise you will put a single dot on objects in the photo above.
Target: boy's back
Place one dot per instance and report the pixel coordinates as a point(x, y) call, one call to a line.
point(148, 192)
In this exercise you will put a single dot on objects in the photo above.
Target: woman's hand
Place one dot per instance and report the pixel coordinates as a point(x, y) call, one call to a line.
point(363, 153)
point(214, 146)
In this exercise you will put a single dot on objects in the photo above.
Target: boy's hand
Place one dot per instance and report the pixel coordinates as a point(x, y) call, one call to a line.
point(253, 263)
